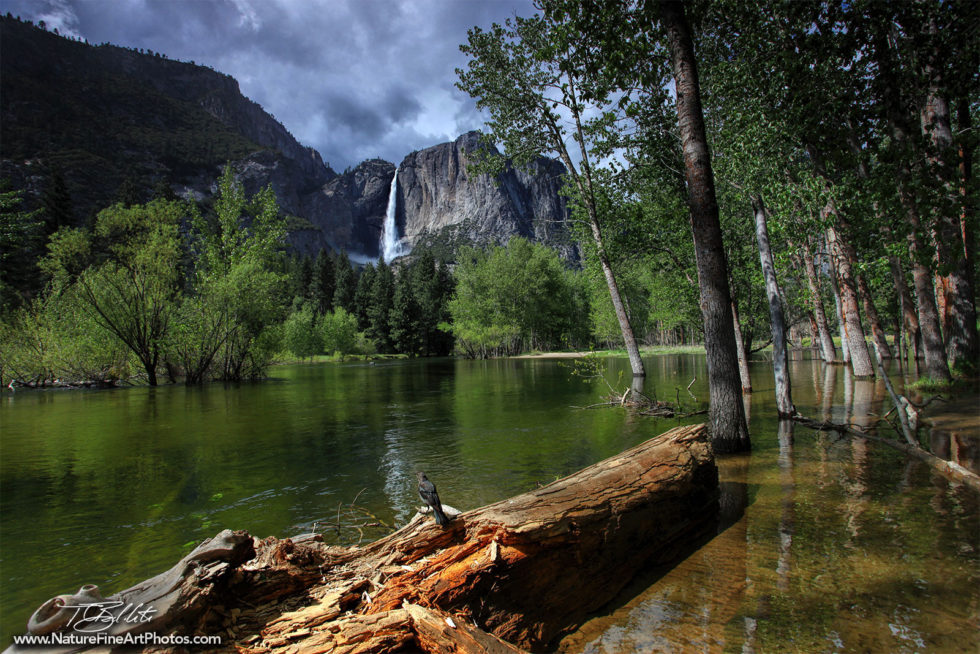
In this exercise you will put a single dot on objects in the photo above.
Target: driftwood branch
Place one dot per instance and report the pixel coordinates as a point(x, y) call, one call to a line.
point(949, 469)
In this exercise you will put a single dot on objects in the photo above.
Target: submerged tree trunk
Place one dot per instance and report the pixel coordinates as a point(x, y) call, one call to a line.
point(877, 331)
point(583, 183)
point(743, 357)
point(729, 431)
point(910, 321)
point(820, 316)
point(845, 350)
point(895, 107)
point(780, 359)
point(860, 357)
point(958, 313)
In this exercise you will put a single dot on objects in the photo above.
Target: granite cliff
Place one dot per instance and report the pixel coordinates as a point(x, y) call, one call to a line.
point(104, 117)
point(438, 196)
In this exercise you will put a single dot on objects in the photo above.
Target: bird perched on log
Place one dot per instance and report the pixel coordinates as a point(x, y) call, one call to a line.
point(427, 491)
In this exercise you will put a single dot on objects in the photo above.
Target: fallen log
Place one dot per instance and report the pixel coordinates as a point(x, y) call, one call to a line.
point(520, 573)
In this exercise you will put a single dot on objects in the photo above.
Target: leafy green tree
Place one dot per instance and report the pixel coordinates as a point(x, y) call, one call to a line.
point(533, 77)
point(55, 338)
point(512, 298)
point(340, 334)
point(236, 255)
point(301, 333)
point(133, 293)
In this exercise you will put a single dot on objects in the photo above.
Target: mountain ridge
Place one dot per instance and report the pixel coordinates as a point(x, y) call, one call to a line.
point(104, 116)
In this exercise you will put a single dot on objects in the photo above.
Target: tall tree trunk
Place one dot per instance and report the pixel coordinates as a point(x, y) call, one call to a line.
point(895, 111)
point(814, 333)
point(729, 431)
point(826, 341)
point(743, 357)
point(950, 233)
point(586, 191)
point(909, 318)
point(877, 331)
point(845, 350)
point(780, 360)
point(860, 357)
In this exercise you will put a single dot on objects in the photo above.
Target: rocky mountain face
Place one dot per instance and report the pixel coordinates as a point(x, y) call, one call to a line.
point(103, 116)
point(437, 195)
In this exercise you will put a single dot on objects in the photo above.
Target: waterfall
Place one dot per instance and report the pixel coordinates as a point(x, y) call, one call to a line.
point(391, 246)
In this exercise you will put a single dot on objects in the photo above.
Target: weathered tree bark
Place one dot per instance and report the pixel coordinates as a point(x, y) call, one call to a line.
point(925, 297)
point(845, 350)
point(877, 331)
point(743, 357)
point(526, 570)
point(816, 302)
point(814, 333)
point(176, 600)
point(856, 345)
point(910, 320)
point(780, 360)
point(925, 300)
point(729, 431)
point(949, 231)
point(957, 310)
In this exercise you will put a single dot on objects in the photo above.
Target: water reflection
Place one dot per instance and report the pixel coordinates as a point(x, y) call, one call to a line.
point(824, 542)
point(842, 546)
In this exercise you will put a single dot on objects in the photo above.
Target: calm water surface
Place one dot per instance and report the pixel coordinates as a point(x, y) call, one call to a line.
point(827, 543)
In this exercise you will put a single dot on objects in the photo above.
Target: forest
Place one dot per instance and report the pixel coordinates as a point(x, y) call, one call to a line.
point(840, 135)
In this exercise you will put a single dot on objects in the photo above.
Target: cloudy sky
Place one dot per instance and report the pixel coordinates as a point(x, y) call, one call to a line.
point(354, 79)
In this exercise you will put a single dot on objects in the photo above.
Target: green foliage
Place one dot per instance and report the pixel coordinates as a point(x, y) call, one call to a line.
point(131, 292)
point(300, 334)
point(236, 254)
point(55, 338)
point(514, 298)
point(379, 309)
point(346, 283)
point(405, 317)
point(322, 283)
point(339, 334)
point(362, 296)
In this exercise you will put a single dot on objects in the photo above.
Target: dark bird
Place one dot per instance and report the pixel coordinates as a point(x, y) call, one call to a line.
point(427, 491)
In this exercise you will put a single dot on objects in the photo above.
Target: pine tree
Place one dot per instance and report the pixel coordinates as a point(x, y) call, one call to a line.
point(302, 276)
point(322, 285)
point(346, 283)
point(129, 192)
point(56, 201)
point(379, 310)
point(362, 297)
point(405, 318)
point(443, 340)
point(20, 247)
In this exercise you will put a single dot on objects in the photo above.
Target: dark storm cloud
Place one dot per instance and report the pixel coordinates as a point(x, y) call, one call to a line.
point(353, 78)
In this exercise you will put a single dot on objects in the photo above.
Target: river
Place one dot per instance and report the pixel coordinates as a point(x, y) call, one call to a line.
point(827, 544)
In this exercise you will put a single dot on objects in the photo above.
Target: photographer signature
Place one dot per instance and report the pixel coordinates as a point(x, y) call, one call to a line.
point(99, 616)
